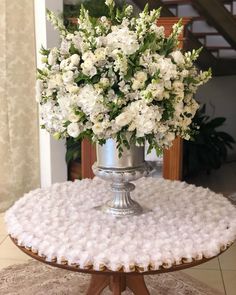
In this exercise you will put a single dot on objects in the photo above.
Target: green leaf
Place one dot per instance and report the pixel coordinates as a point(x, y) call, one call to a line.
point(81, 78)
point(73, 50)
point(44, 51)
point(216, 122)
point(95, 79)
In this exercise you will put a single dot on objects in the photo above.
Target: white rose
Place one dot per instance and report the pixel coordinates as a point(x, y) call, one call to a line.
point(73, 130)
point(141, 76)
point(64, 64)
point(88, 68)
point(73, 117)
point(75, 59)
point(123, 119)
point(178, 57)
point(136, 85)
point(89, 55)
point(68, 77)
point(97, 128)
point(72, 88)
point(69, 36)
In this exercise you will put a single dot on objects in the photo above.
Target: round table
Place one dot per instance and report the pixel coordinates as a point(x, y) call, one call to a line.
point(117, 281)
point(182, 226)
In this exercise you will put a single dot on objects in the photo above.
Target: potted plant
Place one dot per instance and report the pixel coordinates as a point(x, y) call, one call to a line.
point(209, 146)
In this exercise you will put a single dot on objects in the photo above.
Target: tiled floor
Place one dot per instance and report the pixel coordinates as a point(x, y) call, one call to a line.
point(9, 254)
point(219, 273)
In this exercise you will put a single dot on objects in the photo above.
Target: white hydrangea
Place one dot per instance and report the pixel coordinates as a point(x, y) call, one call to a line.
point(52, 118)
point(100, 55)
point(54, 82)
point(139, 80)
point(122, 38)
point(86, 99)
point(68, 77)
point(154, 91)
point(167, 69)
point(88, 66)
point(144, 117)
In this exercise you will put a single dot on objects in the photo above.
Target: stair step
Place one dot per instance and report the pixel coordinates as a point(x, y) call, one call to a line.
point(199, 26)
point(227, 53)
point(204, 34)
point(176, 2)
point(216, 40)
point(216, 48)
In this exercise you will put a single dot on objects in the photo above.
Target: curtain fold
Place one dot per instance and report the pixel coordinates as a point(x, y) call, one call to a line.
point(19, 155)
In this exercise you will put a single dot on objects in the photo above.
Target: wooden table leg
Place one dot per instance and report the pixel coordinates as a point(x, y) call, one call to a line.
point(137, 284)
point(97, 284)
point(117, 284)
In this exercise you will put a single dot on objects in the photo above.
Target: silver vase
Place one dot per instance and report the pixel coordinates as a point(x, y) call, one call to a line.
point(120, 171)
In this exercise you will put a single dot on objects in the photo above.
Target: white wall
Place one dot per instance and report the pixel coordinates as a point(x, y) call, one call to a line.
point(219, 94)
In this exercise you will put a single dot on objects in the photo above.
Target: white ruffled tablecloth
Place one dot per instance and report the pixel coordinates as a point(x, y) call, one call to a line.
point(181, 223)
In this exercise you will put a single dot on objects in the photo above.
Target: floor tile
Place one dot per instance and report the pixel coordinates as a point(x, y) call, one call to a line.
point(2, 225)
point(229, 277)
point(228, 259)
point(7, 262)
point(211, 265)
point(8, 250)
point(212, 278)
point(221, 180)
point(2, 238)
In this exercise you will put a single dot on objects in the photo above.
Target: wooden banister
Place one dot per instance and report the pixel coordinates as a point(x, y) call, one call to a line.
point(173, 157)
point(88, 157)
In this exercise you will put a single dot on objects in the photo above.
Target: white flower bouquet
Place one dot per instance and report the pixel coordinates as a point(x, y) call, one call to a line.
point(117, 76)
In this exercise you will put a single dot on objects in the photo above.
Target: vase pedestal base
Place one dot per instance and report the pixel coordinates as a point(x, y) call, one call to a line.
point(117, 284)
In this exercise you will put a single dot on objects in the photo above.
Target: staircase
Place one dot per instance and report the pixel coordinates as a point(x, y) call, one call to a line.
point(213, 26)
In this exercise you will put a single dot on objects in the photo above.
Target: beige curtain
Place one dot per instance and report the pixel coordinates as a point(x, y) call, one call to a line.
point(19, 163)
